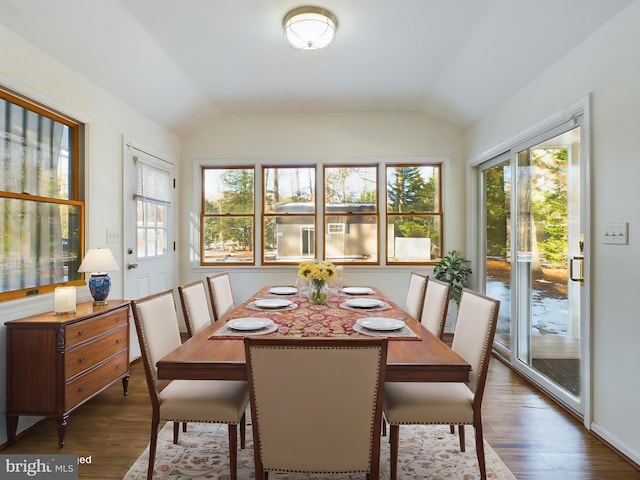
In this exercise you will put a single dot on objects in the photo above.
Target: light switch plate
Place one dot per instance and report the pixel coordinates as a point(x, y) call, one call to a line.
point(615, 233)
point(113, 236)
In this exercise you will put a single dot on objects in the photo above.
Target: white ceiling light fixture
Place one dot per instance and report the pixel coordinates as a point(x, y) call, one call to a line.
point(309, 28)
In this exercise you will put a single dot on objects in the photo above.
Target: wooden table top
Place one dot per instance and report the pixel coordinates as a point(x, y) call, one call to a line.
point(204, 358)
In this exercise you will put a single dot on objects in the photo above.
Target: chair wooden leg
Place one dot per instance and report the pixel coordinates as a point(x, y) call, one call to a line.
point(384, 427)
point(184, 426)
point(176, 430)
point(259, 469)
point(480, 450)
point(452, 429)
point(152, 448)
point(233, 451)
point(243, 430)
point(394, 438)
point(461, 435)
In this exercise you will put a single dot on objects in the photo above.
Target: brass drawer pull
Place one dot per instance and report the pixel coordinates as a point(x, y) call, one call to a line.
point(82, 359)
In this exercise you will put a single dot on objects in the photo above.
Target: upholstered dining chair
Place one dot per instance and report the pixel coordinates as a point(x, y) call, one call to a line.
point(436, 306)
point(221, 294)
point(415, 294)
point(195, 306)
point(316, 404)
point(449, 403)
point(434, 312)
point(214, 401)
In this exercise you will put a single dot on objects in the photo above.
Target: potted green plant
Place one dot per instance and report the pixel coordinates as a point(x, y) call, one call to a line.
point(453, 268)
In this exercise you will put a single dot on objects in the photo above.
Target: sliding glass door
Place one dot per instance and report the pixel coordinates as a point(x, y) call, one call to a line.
point(533, 261)
point(496, 180)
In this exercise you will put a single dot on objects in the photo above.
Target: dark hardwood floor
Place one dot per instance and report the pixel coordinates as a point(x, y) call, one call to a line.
point(535, 438)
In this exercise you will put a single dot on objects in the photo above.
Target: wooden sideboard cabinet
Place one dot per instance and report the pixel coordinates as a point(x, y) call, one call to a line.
point(56, 363)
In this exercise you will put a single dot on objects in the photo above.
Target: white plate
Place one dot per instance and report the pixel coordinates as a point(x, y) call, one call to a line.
point(272, 303)
point(363, 302)
point(283, 290)
point(249, 323)
point(380, 323)
point(357, 290)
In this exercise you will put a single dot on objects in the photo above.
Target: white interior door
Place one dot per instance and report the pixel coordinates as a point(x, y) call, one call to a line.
point(148, 233)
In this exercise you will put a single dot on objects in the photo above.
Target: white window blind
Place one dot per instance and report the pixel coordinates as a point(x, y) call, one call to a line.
point(152, 184)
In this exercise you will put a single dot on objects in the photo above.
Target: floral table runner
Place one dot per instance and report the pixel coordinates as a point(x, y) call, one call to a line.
point(332, 319)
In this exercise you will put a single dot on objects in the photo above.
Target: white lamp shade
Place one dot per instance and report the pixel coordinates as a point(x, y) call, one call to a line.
point(99, 260)
point(309, 28)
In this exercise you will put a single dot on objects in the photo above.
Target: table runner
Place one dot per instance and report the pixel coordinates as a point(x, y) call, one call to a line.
point(333, 319)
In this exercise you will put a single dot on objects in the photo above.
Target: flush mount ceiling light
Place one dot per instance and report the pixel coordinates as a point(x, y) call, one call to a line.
point(309, 28)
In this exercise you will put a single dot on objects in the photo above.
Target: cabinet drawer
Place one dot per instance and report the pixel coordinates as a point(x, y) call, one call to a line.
point(92, 353)
point(84, 331)
point(93, 381)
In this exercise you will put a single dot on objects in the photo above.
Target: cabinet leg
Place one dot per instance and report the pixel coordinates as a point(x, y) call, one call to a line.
point(125, 385)
point(12, 427)
point(62, 429)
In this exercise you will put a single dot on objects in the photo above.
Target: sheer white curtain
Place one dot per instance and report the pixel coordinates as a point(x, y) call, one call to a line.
point(30, 230)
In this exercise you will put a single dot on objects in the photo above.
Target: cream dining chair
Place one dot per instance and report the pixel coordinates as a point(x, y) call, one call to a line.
point(415, 294)
point(449, 403)
point(436, 306)
point(214, 401)
point(221, 294)
point(316, 404)
point(195, 306)
point(434, 313)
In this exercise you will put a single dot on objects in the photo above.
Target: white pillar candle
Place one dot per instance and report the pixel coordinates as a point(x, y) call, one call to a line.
point(64, 300)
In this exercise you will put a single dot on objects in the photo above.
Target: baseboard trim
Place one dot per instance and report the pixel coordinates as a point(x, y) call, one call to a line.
point(603, 435)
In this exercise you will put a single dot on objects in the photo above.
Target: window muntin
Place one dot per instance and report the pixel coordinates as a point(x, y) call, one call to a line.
point(351, 198)
point(41, 212)
point(228, 220)
point(414, 213)
point(289, 199)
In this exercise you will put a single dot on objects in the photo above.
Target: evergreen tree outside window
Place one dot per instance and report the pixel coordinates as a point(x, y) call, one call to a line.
point(414, 213)
point(227, 223)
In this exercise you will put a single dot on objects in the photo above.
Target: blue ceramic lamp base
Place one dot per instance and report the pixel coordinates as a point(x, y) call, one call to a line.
point(99, 286)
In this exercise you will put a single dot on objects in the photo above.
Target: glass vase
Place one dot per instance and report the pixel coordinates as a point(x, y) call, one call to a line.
point(318, 291)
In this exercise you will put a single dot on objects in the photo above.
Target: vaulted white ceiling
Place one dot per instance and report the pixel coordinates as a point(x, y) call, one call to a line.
point(182, 62)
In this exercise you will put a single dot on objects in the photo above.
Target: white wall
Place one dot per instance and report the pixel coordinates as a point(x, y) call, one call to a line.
point(366, 137)
point(607, 65)
point(29, 71)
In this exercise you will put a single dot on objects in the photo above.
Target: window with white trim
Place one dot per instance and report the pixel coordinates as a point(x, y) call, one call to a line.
point(153, 198)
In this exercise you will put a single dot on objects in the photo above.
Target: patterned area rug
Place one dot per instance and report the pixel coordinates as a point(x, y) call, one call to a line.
point(425, 453)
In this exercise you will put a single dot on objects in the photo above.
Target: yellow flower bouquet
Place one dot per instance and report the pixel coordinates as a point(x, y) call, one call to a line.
point(318, 274)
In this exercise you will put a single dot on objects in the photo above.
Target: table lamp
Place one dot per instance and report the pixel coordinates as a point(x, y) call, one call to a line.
point(99, 261)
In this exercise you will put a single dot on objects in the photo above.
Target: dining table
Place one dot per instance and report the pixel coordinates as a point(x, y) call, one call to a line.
point(216, 352)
